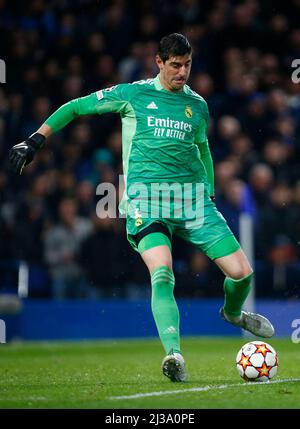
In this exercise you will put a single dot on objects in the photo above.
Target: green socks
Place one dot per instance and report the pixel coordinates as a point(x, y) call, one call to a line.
point(236, 292)
point(164, 308)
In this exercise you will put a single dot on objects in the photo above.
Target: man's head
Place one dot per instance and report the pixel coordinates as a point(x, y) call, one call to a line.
point(174, 59)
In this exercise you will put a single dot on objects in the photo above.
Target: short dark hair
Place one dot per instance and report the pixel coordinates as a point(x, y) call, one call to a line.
point(174, 44)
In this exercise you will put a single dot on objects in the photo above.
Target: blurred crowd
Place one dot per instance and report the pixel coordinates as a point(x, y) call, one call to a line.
point(56, 51)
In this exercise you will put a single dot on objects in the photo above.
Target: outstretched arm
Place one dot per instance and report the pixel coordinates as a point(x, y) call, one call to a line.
point(23, 153)
point(110, 100)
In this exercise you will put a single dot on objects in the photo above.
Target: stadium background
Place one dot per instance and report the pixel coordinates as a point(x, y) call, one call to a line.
point(59, 50)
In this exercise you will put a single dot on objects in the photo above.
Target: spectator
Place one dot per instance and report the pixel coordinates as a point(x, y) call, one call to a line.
point(85, 196)
point(275, 219)
point(199, 278)
point(102, 258)
point(280, 276)
point(261, 179)
point(276, 154)
point(61, 246)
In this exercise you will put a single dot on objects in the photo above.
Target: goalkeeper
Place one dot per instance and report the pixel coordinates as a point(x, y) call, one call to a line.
point(165, 146)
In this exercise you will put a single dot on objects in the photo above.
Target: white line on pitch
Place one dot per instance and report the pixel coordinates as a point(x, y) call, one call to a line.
point(203, 389)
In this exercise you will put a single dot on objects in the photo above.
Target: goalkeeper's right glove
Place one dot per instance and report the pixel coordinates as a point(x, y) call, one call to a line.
point(23, 153)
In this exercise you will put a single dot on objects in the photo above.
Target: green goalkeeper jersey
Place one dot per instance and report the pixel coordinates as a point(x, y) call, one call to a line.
point(164, 134)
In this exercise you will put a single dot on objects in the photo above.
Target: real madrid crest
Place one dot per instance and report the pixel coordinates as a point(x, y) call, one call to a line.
point(138, 221)
point(138, 217)
point(188, 112)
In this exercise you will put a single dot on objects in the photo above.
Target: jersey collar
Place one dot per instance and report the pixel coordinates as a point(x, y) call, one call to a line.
point(159, 87)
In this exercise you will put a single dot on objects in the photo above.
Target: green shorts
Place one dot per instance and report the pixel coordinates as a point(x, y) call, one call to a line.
point(209, 232)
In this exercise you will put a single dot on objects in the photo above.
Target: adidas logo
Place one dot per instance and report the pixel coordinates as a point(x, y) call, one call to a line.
point(170, 330)
point(152, 105)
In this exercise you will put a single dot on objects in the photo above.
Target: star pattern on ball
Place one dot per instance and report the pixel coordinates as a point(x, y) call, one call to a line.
point(262, 348)
point(264, 370)
point(244, 361)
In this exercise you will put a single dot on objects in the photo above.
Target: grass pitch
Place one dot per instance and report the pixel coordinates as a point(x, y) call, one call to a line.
point(118, 374)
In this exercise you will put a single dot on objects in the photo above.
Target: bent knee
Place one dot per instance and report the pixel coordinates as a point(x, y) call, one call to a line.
point(154, 265)
point(156, 257)
point(241, 272)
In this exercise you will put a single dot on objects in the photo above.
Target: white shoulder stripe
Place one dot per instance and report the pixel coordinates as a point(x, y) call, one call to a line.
point(99, 94)
point(197, 95)
point(194, 93)
point(143, 82)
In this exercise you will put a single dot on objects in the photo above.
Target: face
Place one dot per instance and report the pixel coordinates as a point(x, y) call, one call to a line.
point(175, 71)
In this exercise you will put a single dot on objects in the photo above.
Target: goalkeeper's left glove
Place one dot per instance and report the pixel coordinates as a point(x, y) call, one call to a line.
point(23, 153)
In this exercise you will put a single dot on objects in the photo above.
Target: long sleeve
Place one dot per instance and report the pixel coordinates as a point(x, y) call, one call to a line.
point(69, 111)
point(203, 145)
point(106, 100)
point(208, 164)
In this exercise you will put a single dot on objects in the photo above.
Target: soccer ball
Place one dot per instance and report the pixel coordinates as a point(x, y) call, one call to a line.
point(257, 361)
